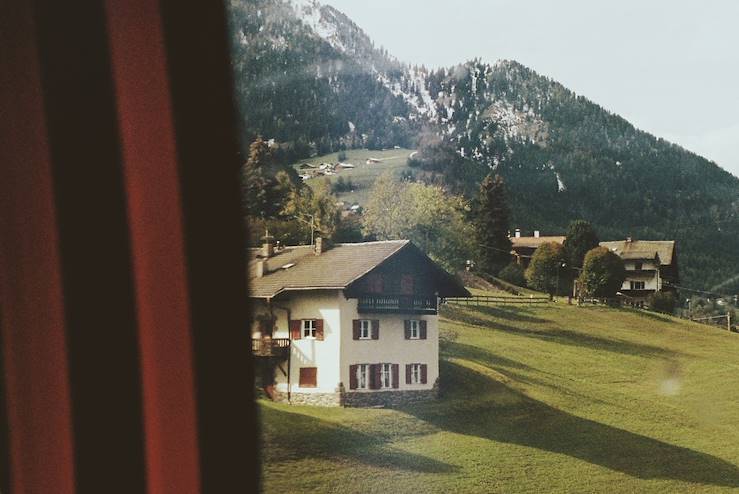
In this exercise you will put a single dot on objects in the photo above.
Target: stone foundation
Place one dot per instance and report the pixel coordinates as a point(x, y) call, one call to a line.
point(360, 399)
point(315, 399)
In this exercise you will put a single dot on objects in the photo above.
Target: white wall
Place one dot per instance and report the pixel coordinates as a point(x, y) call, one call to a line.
point(391, 347)
point(311, 353)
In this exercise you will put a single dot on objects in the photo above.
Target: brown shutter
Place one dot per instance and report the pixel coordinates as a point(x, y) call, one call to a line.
point(352, 377)
point(408, 373)
point(424, 372)
point(355, 329)
point(406, 284)
point(308, 377)
point(319, 329)
point(374, 377)
point(407, 326)
point(422, 330)
point(395, 375)
point(375, 329)
point(295, 329)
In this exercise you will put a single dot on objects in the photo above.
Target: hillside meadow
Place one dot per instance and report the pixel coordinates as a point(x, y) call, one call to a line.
point(551, 398)
point(363, 175)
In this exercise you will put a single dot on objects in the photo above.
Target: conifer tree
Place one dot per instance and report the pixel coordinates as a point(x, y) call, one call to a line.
point(581, 237)
point(491, 224)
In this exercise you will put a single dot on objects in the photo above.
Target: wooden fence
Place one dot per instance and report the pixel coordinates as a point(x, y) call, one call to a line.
point(488, 300)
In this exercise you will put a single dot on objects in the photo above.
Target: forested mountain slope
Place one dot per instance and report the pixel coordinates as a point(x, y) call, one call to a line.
point(311, 79)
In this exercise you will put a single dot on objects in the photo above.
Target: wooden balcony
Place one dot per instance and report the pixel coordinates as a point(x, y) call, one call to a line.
point(397, 304)
point(270, 347)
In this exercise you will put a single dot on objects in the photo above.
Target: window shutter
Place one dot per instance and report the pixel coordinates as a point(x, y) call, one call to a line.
point(295, 329)
point(406, 284)
point(422, 332)
point(355, 329)
point(408, 368)
point(352, 377)
point(308, 377)
point(374, 376)
point(375, 329)
point(319, 329)
point(407, 325)
point(424, 372)
point(395, 375)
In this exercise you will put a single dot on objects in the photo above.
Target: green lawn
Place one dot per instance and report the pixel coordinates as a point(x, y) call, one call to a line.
point(364, 175)
point(535, 399)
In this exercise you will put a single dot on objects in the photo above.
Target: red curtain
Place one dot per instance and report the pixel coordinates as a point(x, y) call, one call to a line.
point(123, 323)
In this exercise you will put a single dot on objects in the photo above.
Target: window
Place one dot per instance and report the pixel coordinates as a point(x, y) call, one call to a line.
point(309, 328)
point(363, 373)
point(415, 329)
point(637, 266)
point(386, 380)
point(365, 329)
point(415, 374)
point(308, 377)
point(637, 285)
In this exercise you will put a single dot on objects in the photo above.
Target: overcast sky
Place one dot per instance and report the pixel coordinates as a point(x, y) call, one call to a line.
point(669, 67)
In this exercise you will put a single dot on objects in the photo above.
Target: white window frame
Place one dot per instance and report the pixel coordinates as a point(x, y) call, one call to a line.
point(415, 373)
point(365, 329)
point(415, 329)
point(386, 376)
point(309, 329)
point(363, 376)
point(634, 285)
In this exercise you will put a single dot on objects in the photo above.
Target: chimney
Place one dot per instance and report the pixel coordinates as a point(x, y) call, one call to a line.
point(321, 246)
point(518, 233)
point(536, 233)
point(261, 267)
point(268, 248)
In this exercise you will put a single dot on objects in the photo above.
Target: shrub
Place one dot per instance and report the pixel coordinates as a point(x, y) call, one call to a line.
point(662, 302)
point(342, 156)
point(545, 272)
point(603, 273)
point(513, 274)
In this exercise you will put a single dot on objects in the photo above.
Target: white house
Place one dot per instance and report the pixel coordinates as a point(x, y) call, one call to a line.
point(354, 324)
point(651, 266)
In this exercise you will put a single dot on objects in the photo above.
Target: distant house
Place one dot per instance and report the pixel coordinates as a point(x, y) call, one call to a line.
point(354, 324)
point(524, 247)
point(373, 160)
point(651, 265)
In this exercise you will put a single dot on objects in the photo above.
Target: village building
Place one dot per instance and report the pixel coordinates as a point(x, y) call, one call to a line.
point(523, 248)
point(351, 324)
point(651, 266)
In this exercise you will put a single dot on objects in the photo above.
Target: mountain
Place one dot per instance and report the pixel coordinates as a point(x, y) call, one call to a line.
point(310, 78)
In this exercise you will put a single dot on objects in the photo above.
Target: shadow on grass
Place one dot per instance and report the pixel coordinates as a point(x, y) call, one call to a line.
point(564, 337)
point(481, 406)
point(311, 437)
point(502, 312)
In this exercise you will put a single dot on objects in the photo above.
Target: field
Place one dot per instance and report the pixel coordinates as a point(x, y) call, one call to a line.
point(364, 175)
point(534, 399)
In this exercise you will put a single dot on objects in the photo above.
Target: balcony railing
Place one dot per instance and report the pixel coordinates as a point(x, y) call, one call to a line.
point(397, 304)
point(270, 347)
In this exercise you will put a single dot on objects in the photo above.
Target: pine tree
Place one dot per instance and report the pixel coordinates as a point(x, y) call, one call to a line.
point(581, 237)
point(491, 224)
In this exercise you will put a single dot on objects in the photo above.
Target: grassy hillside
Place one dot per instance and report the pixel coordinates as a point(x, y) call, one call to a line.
point(364, 175)
point(535, 399)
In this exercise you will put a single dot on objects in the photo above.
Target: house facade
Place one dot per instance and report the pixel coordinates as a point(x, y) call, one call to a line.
point(352, 325)
point(650, 265)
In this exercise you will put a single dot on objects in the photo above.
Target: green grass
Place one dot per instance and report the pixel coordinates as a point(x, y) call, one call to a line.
point(534, 399)
point(364, 175)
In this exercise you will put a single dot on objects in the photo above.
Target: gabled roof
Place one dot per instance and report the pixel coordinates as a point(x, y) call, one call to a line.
point(535, 242)
point(643, 249)
point(298, 268)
